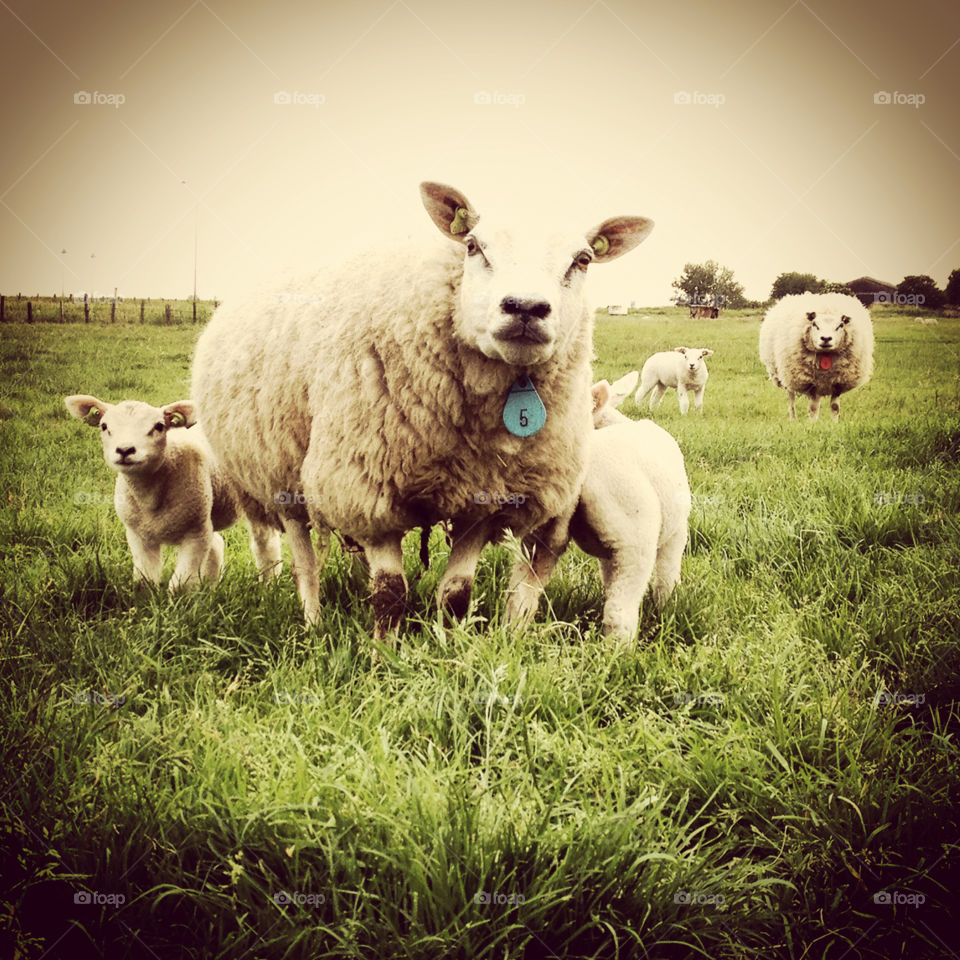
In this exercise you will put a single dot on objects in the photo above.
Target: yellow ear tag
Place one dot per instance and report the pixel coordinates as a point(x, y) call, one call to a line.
point(93, 417)
point(459, 222)
point(177, 419)
point(600, 245)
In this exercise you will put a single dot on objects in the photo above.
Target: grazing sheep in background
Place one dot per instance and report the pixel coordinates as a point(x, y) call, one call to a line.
point(683, 368)
point(411, 387)
point(167, 490)
point(632, 514)
point(819, 345)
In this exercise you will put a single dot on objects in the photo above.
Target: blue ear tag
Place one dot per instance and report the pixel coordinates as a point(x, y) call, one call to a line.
point(524, 413)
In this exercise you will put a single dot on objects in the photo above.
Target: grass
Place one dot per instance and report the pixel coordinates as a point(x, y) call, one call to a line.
point(778, 749)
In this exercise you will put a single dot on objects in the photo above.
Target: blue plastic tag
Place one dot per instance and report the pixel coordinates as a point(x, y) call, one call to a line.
point(524, 413)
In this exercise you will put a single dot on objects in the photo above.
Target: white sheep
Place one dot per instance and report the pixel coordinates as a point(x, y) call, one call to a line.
point(683, 368)
point(819, 345)
point(168, 489)
point(632, 514)
point(392, 391)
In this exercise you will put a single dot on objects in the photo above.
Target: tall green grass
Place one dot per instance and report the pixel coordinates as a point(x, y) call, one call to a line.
point(778, 749)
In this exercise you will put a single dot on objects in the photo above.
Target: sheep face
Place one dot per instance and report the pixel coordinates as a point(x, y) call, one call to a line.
point(133, 434)
point(825, 331)
point(521, 294)
point(693, 357)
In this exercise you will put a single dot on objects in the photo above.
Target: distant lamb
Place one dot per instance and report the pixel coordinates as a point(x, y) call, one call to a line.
point(632, 514)
point(819, 345)
point(167, 490)
point(412, 386)
point(683, 368)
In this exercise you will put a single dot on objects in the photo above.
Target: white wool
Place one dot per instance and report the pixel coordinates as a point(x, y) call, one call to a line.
point(683, 368)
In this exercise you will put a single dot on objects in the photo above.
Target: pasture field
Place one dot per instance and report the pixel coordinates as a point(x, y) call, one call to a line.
point(771, 771)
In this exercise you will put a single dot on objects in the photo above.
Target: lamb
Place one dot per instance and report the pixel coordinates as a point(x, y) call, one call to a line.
point(632, 514)
point(168, 489)
point(819, 345)
point(683, 368)
point(389, 392)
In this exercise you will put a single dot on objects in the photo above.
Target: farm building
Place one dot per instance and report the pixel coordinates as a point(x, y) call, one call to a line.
point(617, 310)
point(867, 290)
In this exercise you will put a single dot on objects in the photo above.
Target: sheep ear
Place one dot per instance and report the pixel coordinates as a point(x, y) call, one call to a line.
point(682, 350)
point(449, 209)
point(86, 408)
point(706, 353)
point(622, 388)
point(179, 414)
point(615, 237)
point(601, 394)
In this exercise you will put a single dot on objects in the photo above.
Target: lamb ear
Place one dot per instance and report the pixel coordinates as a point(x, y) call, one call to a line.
point(86, 408)
point(601, 394)
point(618, 235)
point(449, 209)
point(682, 350)
point(179, 414)
point(706, 353)
point(622, 388)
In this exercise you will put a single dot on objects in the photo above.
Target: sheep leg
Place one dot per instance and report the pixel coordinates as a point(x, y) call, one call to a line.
point(147, 558)
point(656, 398)
point(625, 578)
point(683, 399)
point(192, 556)
point(388, 586)
point(791, 404)
point(453, 592)
point(542, 550)
point(814, 407)
point(835, 408)
point(305, 572)
point(212, 566)
point(698, 400)
point(266, 549)
point(666, 570)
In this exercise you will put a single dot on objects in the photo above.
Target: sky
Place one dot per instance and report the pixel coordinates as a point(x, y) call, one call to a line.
point(769, 135)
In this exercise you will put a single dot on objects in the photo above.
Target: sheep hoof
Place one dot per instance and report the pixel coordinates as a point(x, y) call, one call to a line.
point(455, 596)
point(389, 598)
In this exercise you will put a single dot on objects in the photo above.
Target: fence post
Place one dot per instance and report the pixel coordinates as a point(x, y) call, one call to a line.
point(166, 313)
point(113, 307)
point(86, 308)
point(194, 309)
point(3, 302)
point(141, 311)
point(29, 312)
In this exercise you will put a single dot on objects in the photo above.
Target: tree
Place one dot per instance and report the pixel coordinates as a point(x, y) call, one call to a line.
point(952, 291)
point(832, 286)
point(788, 283)
point(920, 290)
point(711, 281)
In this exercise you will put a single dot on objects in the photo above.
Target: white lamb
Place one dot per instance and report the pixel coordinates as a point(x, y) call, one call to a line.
point(632, 514)
point(819, 345)
point(168, 490)
point(392, 391)
point(683, 368)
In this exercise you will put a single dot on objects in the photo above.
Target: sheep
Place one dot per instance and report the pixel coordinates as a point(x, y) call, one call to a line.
point(391, 391)
point(683, 368)
point(819, 345)
point(632, 514)
point(167, 490)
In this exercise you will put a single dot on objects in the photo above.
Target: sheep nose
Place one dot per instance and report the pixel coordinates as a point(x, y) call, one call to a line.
point(525, 309)
point(126, 451)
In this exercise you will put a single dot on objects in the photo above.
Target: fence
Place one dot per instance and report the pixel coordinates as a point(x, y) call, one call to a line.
point(19, 308)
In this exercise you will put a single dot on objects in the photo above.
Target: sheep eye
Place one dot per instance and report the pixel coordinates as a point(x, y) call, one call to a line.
point(103, 426)
point(583, 259)
point(811, 317)
point(473, 248)
point(158, 427)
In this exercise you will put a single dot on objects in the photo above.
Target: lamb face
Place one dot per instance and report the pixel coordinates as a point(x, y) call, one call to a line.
point(692, 360)
point(825, 330)
point(521, 295)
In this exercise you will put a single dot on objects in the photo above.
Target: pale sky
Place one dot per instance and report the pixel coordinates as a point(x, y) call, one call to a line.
point(781, 161)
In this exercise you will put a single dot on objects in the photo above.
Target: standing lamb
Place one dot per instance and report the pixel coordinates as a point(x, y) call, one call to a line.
point(632, 514)
point(819, 345)
point(683, 368)
point(168, 489)
point(389, 393)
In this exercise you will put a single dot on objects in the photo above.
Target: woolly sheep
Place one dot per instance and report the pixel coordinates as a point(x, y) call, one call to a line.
point(374, 397)
point(819, 345)
point(632, 514)
point(683, 368)
point(167, 490)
